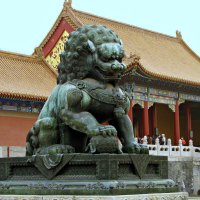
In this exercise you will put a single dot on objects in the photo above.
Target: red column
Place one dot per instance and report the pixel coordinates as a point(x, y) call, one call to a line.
point(188, 122)
point(154, 118)
point(146, 118)
point(130, 113)
point(176, 124)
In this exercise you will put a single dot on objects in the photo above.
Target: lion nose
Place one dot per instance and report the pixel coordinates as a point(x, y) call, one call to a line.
point(118, 67)
point(124, 66)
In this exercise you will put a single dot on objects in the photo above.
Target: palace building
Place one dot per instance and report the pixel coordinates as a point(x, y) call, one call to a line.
point(162, 79)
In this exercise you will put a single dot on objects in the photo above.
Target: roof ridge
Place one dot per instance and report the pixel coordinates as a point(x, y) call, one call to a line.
point(184, 44)
point(68, 15)
point(70, 12)
point(51, 31)
point(17, 55)
point(129, 25)
point(40, 56)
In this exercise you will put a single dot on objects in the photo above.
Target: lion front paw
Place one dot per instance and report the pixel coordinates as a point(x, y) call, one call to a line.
point(107, 130)
point(131, 148)
point(144, 149)
point(104, 130)
point(135, 148)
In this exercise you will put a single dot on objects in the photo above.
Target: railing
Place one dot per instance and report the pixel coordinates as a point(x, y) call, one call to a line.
point(157, 150)
point(12, 151)
point(172, 151)
point(178, 151)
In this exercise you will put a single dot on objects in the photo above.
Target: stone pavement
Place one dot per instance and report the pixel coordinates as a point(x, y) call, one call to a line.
point(155, 196)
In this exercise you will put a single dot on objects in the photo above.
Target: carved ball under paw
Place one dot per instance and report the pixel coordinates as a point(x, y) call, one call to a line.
point(102, 144)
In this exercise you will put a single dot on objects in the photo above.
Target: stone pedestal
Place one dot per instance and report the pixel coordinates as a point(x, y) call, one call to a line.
point(85, 174)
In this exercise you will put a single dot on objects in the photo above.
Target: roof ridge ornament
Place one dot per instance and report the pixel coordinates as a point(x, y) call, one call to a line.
point(134, 58)
point(38, 52)
point(67, 4)
point(178, 35)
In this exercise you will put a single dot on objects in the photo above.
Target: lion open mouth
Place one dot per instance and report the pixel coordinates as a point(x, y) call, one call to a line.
point(106, 75)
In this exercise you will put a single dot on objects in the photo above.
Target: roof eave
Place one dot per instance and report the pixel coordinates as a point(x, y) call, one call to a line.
point(137, 65)
point(23, 96)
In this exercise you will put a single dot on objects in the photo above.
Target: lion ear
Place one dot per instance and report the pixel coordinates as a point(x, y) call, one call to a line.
point(91, 46)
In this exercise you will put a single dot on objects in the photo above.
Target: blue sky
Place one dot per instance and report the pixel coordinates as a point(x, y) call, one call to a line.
point(24, 23)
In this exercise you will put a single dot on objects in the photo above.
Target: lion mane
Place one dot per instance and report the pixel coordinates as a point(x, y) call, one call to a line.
point(73, 62)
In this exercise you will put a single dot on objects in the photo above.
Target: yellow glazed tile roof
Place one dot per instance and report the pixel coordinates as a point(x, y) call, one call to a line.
point(25, 76)
point(161, 56)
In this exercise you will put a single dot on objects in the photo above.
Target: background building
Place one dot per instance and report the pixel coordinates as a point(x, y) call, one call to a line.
point(163, 80)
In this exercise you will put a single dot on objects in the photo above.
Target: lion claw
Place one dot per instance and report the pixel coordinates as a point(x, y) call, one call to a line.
point(107, 131)
point(135, 148)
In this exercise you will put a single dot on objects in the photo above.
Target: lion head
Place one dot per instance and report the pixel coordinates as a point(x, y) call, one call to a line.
point(91, 51)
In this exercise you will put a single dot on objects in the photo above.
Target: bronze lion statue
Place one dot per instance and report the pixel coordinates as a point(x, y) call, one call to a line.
point(87, 95)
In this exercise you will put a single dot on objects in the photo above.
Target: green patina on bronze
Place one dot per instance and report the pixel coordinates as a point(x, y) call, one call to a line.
point(71, 122)
point(87, 95)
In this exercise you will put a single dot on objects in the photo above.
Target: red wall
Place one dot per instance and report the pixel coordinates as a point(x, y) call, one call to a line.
point(14, 127)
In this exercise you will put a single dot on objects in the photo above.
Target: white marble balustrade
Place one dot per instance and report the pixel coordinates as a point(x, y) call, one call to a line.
point(174, 151)
point(157, 150)
point(12, 151)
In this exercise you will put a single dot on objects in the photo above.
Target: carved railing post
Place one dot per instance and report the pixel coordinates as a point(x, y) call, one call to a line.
point(169, 142)
point(180, 142)
point(190, 143)
point(157, 141)
point(145, 140)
